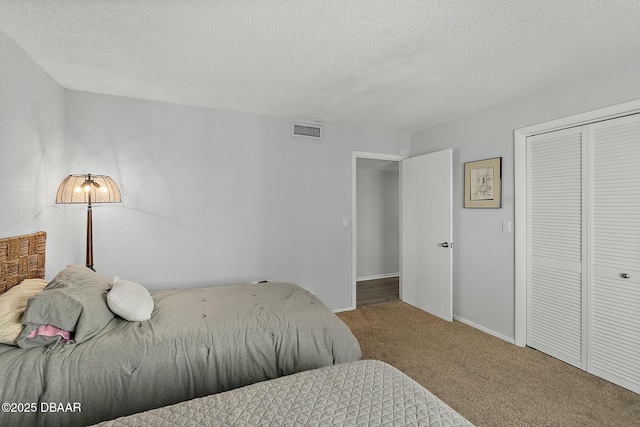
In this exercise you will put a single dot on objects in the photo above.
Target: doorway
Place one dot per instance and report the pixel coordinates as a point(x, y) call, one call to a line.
point(378, 231)
point(375, 228)
point(426, 259)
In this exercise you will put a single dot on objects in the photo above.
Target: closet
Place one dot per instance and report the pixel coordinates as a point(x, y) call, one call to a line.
point(583, 247)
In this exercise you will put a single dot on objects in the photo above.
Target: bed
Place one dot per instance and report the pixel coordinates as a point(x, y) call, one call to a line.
point(197, 342)
point(362, 393)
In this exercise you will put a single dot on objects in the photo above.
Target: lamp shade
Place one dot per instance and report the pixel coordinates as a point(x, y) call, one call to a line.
point(87, 188)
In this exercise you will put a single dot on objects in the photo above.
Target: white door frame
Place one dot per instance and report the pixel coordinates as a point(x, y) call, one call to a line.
point(520, 186)
point(355, 155)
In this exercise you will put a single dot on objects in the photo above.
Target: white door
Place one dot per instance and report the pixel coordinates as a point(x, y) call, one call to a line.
point(555, 245)
point(583, 247)
point(614, 297)
point(427, 258)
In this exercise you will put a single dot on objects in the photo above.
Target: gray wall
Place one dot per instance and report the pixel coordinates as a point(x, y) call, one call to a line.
point(215, 197)
point(32, 130)
point(483, 255)
point(209, 197)
point(378, 211)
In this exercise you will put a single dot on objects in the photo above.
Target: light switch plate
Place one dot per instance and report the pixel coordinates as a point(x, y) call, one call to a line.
point(506, 226)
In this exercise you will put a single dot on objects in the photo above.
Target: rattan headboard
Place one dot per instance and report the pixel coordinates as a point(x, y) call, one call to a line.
point(21, 258)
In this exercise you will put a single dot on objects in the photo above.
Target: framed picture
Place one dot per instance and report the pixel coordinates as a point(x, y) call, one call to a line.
point(483, 183)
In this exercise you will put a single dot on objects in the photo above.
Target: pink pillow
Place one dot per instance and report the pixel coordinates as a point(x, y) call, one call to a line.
point(50, 331)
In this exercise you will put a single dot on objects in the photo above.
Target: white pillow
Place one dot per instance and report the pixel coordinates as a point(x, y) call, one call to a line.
point(130, 300)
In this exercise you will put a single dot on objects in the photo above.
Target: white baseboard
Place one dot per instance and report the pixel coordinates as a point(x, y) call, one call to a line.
point(485, 330)
point(377, 276)
point(338, 310)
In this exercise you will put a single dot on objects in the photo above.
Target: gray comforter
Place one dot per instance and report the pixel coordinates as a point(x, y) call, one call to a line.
point(198, 342)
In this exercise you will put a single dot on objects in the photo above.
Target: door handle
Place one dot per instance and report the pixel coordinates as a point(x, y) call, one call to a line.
point(445, 244)
point(625, 275)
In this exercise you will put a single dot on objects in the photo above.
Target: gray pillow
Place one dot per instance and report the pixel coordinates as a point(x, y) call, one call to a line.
point(75, 301)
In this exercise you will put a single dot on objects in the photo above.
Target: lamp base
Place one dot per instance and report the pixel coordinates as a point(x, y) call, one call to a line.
point(89, 261)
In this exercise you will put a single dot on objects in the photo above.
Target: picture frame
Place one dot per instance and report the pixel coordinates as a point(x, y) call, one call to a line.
point(483, 184)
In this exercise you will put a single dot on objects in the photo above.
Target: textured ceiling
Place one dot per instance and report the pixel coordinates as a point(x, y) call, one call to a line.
point(404, 65)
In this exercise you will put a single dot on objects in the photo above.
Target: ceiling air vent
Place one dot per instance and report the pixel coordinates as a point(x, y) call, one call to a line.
point(307, 131)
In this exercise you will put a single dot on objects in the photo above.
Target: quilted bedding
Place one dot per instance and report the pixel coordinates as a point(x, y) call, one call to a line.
point(363, 393)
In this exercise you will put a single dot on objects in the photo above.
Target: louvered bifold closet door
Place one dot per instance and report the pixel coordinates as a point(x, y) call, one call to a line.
point(615, 236)
point(555, 260)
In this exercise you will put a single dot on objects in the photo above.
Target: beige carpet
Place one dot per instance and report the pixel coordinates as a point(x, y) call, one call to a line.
point(487, 380)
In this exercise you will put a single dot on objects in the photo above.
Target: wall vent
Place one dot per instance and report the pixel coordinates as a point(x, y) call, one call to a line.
point(306, 130)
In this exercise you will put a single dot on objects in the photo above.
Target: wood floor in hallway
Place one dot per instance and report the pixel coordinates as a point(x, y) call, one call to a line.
point(377, 291)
